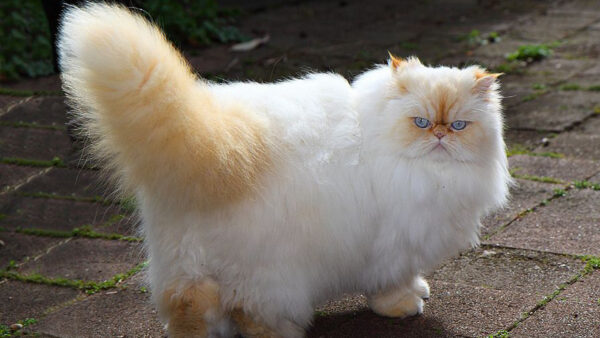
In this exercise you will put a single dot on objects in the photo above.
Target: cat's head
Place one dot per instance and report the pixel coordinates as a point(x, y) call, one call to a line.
point(442, 113)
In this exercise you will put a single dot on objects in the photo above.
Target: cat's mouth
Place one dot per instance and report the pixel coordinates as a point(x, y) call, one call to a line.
point(439, 147)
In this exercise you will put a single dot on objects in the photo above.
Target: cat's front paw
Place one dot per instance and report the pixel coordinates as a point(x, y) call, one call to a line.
point(421, 287)
point(397, 303)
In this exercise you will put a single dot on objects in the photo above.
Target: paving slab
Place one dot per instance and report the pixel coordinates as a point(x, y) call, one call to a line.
point(86, 259)
point(566, 225)
point(52, 214)
point(115, 313)
point(554, 111)
point(34, 143)
point(524, 195)
point(555, 70)
point(573, 313)
point(16, 247)
point(556, 24)
point(564, 169)
point(43, 110)
point(20, 300)
point(8, 101)
point(14, 175)
point(74, 182)
point(529, 139)
point(575, 144)
point(45, 83)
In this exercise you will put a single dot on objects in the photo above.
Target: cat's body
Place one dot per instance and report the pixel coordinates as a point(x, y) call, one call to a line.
point(260, 201)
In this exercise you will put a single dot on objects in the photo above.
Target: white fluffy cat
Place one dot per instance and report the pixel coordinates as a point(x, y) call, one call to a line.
point(261, 201)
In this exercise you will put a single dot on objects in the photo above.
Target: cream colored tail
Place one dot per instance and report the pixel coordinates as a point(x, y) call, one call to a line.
point(147, 115)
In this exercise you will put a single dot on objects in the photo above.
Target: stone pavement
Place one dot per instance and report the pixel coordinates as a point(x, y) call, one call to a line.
point(72, 264)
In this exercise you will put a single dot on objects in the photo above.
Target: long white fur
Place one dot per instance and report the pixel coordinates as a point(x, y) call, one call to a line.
point(344, 208)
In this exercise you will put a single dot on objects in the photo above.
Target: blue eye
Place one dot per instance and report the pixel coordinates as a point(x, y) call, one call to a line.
point(458, 125)
point(421, 122)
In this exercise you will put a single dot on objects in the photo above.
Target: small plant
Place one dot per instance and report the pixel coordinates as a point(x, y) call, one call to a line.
point(559, 193)
point(570, 86)
point(530, 53)
point(476, 38)
point(586, 185)
point(539, 86)
point(500, 334)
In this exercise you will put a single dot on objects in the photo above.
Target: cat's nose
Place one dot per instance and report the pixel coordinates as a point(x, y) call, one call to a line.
point(439, 134)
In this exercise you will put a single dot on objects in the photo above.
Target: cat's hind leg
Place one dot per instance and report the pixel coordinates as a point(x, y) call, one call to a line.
point(195, 311)
point(401, 302)
point(250, 327)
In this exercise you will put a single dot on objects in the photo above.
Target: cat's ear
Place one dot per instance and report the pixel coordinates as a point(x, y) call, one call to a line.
point(484, 81)
point(397, 64)
point(394, 61)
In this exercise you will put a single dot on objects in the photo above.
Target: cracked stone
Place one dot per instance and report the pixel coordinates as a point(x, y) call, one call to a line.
point(573, 313)
point(116, 313)
point(555, 111)
point(560, 168)
point(566, 225)
point(33, 143)
point(52, 214)
point(18, 246)
point(44, 110)
point(87, 259)
point(27, 300)
point(525, 195)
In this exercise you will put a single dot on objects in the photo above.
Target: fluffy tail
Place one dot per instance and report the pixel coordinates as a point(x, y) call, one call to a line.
point(146, 114)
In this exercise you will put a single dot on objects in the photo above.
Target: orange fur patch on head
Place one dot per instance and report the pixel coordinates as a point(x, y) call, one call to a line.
point(187, 310)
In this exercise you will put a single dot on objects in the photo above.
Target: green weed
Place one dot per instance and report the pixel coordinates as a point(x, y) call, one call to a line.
point(55, 162)
point(531, 53)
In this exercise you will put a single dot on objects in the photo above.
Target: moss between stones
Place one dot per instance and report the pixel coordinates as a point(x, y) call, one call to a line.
point(519, 149)
point(54, 162)
point(83, 231)
point(22, 124)
point(6, 331)
point(591, 263)
point(94, 199)
point(89, 287)
point(25, 93)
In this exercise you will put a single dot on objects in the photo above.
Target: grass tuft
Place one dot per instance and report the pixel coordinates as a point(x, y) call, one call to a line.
point(89, 287)
point(54, 162)
point(530, 53)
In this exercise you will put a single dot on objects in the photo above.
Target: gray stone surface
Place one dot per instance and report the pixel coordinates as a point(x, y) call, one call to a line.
point(86, 259)
point(43, 110)
point(69, 182)
point(553, 112)
point(53, 214)
point(13, 175)
point(115, 313)
point(565, 169)
point(17, 247)
point(33, 143)
point(524, 195)
point(566, 225)
point(20, 300)
point(575, 144)
point(574, 313)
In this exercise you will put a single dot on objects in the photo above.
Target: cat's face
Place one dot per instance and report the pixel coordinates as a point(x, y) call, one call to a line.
point(442, 113)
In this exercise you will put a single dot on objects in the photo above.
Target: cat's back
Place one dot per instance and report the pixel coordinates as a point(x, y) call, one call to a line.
point(314, 118)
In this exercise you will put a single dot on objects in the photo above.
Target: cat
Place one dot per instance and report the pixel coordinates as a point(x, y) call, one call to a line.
point(260, 201)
